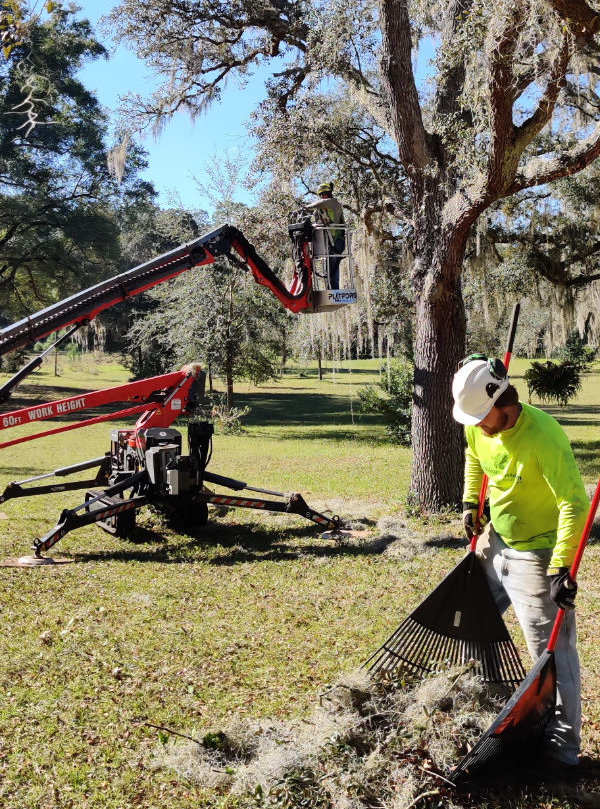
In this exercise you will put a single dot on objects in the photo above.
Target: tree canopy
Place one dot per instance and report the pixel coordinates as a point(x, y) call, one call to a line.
point(59, 202)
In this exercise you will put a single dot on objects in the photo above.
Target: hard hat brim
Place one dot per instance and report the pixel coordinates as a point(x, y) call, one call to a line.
point(468, 419)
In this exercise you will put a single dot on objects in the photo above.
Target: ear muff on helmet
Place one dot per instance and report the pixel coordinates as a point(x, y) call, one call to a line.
point(495, 367)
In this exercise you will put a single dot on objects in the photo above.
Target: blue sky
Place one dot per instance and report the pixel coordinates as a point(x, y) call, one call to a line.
point(184, 147)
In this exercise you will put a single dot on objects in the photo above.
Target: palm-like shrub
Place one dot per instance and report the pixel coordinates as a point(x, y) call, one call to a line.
point(553, 382)
point(577, 352)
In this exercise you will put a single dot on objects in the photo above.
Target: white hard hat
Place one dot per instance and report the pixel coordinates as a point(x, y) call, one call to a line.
point(475, 388)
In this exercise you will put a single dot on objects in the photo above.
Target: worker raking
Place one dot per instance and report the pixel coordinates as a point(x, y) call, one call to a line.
point(538, 507)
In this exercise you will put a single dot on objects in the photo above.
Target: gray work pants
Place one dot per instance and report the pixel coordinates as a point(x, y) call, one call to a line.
point(519, 578)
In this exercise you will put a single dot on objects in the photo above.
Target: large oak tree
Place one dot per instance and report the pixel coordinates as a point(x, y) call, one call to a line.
point(496, 118)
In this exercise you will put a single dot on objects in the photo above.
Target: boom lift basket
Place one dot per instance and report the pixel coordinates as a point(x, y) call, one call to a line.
point(327, 298)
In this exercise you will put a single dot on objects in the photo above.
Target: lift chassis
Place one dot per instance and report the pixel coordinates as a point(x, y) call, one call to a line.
point(146, 464)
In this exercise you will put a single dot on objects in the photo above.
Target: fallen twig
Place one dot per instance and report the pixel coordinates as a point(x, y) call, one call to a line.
point(423, 795)
point(174, 733)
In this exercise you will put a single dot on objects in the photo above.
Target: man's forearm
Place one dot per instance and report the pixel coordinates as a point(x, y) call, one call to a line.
point(571, 519)
point(473, 477)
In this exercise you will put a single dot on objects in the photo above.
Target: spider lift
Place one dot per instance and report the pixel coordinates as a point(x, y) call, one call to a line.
point(146, 464)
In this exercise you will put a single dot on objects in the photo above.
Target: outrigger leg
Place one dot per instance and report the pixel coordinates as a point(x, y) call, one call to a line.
point(97, 509)
point(293, 503)
point(15, 488)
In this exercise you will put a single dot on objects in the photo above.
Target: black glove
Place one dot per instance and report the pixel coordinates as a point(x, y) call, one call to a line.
point(470, 520)
point(563, 589)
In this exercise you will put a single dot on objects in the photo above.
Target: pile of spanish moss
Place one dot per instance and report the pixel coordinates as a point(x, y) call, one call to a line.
point(369, 743)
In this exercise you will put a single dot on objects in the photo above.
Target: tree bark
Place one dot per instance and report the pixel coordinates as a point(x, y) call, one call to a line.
point(229, 381)
point(440, 328)
point(230, 348)
point(436, 474)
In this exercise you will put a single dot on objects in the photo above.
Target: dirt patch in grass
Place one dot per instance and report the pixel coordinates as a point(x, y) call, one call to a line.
point(403, 542)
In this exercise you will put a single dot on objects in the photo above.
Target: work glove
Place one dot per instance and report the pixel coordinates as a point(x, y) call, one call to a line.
point(470, 520)
point(563, 589)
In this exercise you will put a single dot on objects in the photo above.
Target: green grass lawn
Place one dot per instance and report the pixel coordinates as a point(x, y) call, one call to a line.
point(252, 617)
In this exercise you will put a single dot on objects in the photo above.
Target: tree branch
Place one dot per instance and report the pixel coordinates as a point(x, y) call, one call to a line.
point(583, 21)
point(582, 280)
point(525, 133)
point(539, 171)
point(399, 86)
point(503, 159)
point(452, 82)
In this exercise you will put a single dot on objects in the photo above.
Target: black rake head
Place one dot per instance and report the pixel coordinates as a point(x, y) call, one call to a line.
point(457, 623)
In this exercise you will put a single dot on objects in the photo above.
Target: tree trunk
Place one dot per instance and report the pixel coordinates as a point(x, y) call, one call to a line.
point(437, 440)
point(284, 352)
point(320, 364)
point(229, 381)
point(229, 352)
point(440, 328)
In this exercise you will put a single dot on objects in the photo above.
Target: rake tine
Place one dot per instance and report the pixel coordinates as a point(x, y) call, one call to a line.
point(421, 640)
point(432, 652)
point(444, 654)
point(385, 647)
point(397, 638)
point(438, 647)
point(490, 662)
point(506, 667)
point(386, 659)
point(394, 641)
point(516, 672)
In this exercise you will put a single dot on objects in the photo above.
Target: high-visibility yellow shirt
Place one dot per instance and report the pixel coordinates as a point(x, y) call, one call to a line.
point(537, 497)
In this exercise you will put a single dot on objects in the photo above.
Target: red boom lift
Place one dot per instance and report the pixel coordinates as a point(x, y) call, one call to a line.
point(146, 464)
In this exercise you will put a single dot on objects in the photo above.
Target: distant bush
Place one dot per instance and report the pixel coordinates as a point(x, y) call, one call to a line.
point(554, 382)
point(577, 352)
point(14, 361)
point(396, 406)
point(226, 420)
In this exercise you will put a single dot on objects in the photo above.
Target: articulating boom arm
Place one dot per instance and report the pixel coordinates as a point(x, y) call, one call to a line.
point(160, 400)
point(82, 307)
point(147, 461)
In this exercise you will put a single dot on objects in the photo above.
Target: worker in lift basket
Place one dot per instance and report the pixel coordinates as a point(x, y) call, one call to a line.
point(328, 211)
point(538, 507)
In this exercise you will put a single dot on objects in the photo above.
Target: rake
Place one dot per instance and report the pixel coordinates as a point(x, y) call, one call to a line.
point(459, 621)
point(531, 708)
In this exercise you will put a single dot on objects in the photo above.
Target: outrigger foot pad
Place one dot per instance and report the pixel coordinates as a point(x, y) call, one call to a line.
point(345, 533)
point(34, 561)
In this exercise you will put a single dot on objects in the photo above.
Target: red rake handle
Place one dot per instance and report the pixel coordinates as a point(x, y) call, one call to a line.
point(585, 535)
point(484, 482)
